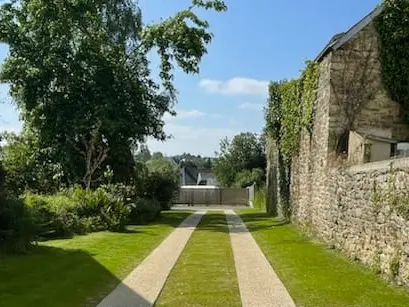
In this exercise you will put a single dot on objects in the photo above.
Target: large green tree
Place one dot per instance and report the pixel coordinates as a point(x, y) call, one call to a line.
point(238, 158)
point(79, 73)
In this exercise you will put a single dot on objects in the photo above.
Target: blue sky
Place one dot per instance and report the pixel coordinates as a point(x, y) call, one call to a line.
point(255, 41)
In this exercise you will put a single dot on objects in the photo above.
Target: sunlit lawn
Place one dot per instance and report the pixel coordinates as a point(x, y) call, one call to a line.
point(204, 275)
point(316, 276)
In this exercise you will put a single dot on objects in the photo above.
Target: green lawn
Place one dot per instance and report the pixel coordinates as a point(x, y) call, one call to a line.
point(79, 271)
point(316, 276)
point(205, 273)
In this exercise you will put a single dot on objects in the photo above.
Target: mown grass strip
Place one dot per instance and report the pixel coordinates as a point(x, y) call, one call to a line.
point(205, 273)
point(316, 276)
point(82, 270)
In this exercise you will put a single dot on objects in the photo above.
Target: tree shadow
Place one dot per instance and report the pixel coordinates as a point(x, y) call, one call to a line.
point(218, 222)
point(214, 222)
point(173, 218)
point(55, 277)
point(252, 222)
point(261, 216)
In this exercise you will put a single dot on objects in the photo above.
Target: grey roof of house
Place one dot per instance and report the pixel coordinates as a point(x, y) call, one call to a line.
point(339, 40)
point(191, 175)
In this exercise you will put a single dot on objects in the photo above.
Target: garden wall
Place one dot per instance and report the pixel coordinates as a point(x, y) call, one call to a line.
point(364, 211)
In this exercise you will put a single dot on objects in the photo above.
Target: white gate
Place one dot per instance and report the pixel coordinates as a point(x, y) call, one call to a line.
point(204, 195)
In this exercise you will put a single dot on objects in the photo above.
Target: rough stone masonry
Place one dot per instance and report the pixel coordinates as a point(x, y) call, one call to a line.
point(354, 208)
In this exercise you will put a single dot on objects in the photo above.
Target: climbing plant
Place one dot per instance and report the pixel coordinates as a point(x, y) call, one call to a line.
point(393, 28)
point(290, 108)
point(273, 111)
point(291, 117)
point(309, 86)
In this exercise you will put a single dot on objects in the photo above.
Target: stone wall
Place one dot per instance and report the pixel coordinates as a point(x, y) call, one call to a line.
point(362, 216)
point(308, 175)
point(358, 100)
point(336, 203)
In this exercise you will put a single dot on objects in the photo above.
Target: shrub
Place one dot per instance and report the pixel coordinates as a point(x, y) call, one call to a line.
point(16, 225)
point(162, 182)
point(55, 216)
point(145, 211)
point(247, 178)
point(28, 166)
point(110, 203)
point(161, 188)
point(78, 211)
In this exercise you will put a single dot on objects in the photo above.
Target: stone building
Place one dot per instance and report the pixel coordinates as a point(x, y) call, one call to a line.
point(354, 117)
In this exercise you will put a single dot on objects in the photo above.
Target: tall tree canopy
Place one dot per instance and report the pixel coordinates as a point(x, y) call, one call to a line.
point(79, 73)
point(240, 160)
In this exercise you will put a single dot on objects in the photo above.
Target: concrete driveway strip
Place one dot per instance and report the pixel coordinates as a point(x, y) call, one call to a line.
point(258, 283)
point(142, 287)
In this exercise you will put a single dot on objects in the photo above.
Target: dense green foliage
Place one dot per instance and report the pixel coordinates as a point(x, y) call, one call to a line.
point(162, 181)
point(241, 161)
point(291, 117)
point(247, 178)
point(16, 225)
point(79, 73)
point(393, 28)
point(274, 112)
point(309, 85)
point(109, 207)
point(28, 166)
point(78, 211)
point(290, 109)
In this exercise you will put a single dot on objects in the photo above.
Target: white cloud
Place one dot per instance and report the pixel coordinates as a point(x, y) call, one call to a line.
point(251, 106)
point(184, 114)
point(236, 86)
point(190, 114)
point(195, 140)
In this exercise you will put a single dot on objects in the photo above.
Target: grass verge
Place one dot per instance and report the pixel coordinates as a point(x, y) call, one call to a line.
point(205, 273)
point(316, 276)
point(82, 270)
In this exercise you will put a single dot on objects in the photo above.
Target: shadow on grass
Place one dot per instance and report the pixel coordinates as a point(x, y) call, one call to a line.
point(216, 221)
point(64, 277)
point(258, 216)
point(54, 277)
point(173, 218)
point(213, 222)
point(259, 221)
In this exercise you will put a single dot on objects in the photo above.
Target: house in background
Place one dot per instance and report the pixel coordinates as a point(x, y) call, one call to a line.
point(206, 177)
point(192, 175)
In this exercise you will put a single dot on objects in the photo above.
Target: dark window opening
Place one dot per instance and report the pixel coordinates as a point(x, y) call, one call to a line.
point(343, 144)
point(203, 182)
point(367, 153)
point(394, 150)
